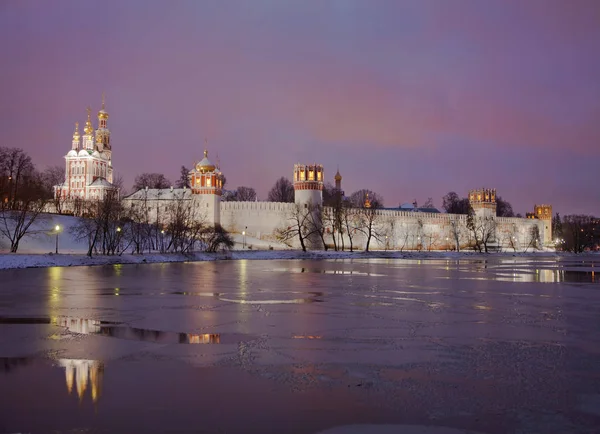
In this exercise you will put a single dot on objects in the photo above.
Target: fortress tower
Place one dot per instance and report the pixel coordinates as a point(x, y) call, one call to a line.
point(207, 183)
point(544, 213)
point(483, 202)
point(308, 184)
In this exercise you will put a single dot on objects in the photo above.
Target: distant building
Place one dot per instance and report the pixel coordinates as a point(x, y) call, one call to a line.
point(88, 165)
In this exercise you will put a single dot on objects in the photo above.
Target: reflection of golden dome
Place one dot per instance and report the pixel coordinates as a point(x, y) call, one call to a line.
point(205, 165)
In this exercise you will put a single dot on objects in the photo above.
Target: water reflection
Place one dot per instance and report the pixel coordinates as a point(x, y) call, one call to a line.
point(82, 373)
point(324, 271)
point(87, 326)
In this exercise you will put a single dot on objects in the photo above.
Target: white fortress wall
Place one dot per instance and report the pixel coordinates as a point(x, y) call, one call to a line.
point(519, 229)
point(258, 219)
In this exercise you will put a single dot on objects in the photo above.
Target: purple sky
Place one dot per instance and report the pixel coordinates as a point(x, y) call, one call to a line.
point(411, 99)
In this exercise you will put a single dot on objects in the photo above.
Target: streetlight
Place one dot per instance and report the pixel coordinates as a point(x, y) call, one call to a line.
point(244, 235)
point(57, 229)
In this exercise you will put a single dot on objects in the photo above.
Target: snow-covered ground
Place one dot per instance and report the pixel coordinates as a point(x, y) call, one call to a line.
point(37, 250)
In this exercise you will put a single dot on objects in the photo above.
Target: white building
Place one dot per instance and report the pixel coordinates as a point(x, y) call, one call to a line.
point(88, 165)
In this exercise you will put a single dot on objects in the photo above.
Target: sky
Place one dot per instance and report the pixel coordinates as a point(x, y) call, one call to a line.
point(410, 99)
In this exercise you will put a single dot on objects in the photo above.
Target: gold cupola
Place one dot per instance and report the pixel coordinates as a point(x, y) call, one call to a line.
point(88, 129)
point(76, 134)
point(205, 165)
point(103, 114)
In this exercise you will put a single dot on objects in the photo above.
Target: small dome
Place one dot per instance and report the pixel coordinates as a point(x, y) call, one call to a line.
point(72, 153)
point(83, 153)
point(205, 165)
point(102, 114)
point(337, 176)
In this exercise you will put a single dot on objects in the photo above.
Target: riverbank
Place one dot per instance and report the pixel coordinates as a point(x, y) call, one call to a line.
point(13, 261)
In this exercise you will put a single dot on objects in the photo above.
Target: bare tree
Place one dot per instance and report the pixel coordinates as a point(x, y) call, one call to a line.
point(533, 237)
point(483, 230)
point(457, 231)
point(103, 231)
point(509, 237)
point(52, 179)
point(349, 222)
point(300, 226)
point(16, 168)
point(369, 223)
point(24, 207)
point(216, 238)
point(186, 227)
point(282, 191)
point(317, 224)
point(150, 180)
point(453, 204)
point(245, 194)
point(428, 203)
point(404, 232)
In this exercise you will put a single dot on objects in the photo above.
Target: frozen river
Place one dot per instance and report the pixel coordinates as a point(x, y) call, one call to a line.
point(501, 345)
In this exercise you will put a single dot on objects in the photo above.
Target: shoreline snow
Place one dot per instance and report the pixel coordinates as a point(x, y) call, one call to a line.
point(18, 261)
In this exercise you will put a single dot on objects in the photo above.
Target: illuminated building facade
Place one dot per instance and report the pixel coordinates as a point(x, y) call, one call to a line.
point(88, 165)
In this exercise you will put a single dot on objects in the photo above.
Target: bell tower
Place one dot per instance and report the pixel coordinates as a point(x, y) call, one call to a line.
point(103, 133)
point(88, 131)
point(207, 187)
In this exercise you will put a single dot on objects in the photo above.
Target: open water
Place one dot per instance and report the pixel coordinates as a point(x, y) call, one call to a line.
point(492, 345)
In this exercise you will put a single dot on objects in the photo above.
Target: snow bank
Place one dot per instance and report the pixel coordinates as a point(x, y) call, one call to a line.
point(8, 261)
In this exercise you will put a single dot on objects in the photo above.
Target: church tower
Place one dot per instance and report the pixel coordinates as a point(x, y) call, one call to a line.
point(76, 143)
point(207, 183)
point(88, 131)
point(103, 133)
point(308, 184)
point(88, 165)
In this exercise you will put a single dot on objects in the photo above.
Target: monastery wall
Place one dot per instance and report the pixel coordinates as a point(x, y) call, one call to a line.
point(258, 219)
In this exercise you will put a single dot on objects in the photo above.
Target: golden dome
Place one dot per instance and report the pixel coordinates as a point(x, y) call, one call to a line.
point(102, 114)
point(205, 165)
point(337, 176)
point(88, 129)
